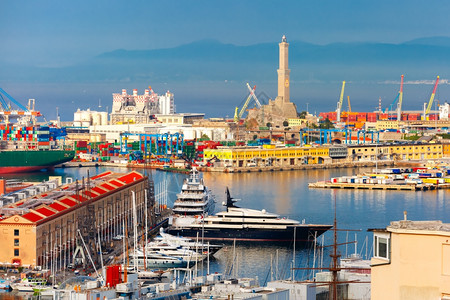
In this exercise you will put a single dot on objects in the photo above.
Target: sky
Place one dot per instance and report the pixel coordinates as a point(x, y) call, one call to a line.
point(61, 33)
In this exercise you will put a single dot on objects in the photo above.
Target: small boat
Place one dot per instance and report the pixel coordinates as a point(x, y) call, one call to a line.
point(29, 284)
point(187, 243)
point(5, 284)
point(155, 260)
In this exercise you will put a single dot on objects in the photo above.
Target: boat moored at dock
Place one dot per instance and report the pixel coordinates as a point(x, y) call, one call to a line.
point(245, 224)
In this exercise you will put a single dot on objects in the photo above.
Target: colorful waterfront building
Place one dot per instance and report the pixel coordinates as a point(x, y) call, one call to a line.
point(49, 228)
point(395, 152)
point(411, 260)
point(268, 155)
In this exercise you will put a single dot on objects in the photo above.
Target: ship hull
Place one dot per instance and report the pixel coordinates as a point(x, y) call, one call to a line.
point(32, 160)
point(303, 233)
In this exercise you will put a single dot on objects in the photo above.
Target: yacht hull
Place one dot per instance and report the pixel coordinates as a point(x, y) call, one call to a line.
point(303, 233)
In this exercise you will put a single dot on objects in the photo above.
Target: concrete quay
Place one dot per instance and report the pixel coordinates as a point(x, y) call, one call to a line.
point(389, 163)
point(376, 186)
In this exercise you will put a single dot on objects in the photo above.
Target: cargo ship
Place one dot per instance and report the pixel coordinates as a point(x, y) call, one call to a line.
point(248, 225)
point(26, 149)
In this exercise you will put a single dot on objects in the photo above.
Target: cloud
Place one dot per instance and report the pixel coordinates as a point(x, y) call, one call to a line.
point(415, 82)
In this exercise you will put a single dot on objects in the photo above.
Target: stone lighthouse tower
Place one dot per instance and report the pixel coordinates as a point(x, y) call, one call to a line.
point(283, 71)
point(284, 106)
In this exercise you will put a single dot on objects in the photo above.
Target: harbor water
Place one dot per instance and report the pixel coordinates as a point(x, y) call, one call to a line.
point(287, 194)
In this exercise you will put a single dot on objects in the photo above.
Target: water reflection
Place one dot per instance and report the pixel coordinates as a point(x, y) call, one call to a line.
point(287, 193)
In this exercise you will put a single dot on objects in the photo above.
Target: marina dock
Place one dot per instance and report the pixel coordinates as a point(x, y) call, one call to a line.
point(377, 186)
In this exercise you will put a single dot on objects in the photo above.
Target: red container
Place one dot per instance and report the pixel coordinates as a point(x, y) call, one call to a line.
point(433, 117)
point(82, 144)
point(323, 115)
point(412, 117)
point(113, 275)
point(383, 116)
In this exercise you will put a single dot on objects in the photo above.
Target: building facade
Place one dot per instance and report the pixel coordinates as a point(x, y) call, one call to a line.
point(411, 261)
point(140, 109)
point(260, 156)
point(395, 152)
point(51, 227)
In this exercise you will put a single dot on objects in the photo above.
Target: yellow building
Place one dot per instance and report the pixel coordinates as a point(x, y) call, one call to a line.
point(411, 261)
point(382, 125)
point(267, 155)
point(395, 152)
point(48, 226)
point(446, 150)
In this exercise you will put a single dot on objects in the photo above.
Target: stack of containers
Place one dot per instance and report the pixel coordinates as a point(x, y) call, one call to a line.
point(43, 137)
point(105, 151)
point(17, 133)
point(81, 147)
point(371, 117)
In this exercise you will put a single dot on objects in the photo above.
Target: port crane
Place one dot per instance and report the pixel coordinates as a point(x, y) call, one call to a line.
point(430, 103)
point(26, 114)
point(397, 101)
point(339, 105)
point(238, 114)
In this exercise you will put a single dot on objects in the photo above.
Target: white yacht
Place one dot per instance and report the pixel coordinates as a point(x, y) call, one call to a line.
point(153, 259)
point(185, 242)
point(246, 225)
point(195, 198)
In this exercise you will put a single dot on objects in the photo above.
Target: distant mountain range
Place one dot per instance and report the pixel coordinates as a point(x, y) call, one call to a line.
point(211, 60)
point(313, 67)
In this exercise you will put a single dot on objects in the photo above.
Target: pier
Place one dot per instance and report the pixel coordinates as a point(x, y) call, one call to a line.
point(377, 186)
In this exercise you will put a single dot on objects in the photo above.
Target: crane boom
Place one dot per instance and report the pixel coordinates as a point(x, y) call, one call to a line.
point(400, 99)
point(13, 100)
point(252, 93)
point(430, 103)
point(238, 116)
point(341, 98)
point(349, 105)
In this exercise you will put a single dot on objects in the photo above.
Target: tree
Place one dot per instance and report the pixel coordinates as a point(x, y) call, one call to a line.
point(327, 124)
point(269, 124)
point(285, 123)
point(205, 137)
point(302, 115)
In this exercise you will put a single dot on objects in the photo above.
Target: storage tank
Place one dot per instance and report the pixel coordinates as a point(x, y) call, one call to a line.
point(77, 118)
point(85, 116)
point(96, 118)
point(104, 118)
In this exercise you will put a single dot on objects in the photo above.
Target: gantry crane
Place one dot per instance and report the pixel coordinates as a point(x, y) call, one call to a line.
point(339, 105)
point(7, 112)
point(238, 115)
point(430, 103)
point(349, 105)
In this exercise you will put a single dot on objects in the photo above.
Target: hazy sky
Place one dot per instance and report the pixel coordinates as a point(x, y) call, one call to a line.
point(50, 33)
point(46, 33)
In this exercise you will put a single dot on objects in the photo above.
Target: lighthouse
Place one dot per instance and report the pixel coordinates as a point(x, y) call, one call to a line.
point(283, 71)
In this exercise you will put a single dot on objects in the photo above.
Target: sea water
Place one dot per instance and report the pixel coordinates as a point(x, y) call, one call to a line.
point(286, 193)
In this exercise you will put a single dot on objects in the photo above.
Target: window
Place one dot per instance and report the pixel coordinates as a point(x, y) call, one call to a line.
point(16, 232)
point(16, 242)
point(16, 252)
point(382, 247)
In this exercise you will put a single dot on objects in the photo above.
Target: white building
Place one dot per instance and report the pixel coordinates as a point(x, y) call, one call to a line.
point(86, 118)
point(166, 104)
